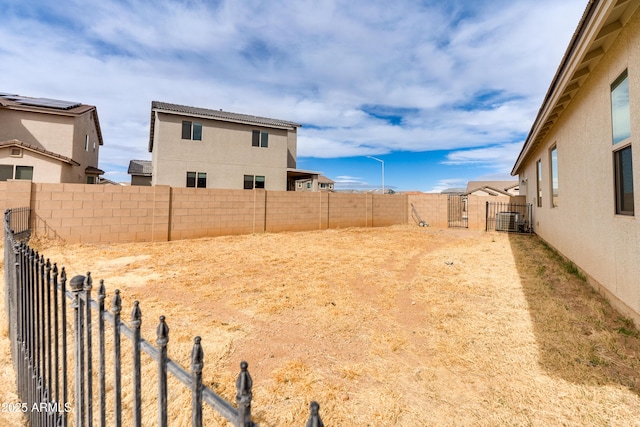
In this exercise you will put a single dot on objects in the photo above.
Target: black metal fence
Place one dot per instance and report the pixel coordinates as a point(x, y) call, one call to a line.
point(510, 217)
point(457, 211)
point(52, 328)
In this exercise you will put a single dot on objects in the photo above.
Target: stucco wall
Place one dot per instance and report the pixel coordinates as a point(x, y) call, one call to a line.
point(585, 227)
point(225, 154)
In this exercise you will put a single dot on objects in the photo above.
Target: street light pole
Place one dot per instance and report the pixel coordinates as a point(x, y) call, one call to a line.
point(381, 161)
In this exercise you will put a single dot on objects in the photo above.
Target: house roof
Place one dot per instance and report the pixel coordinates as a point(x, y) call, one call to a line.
point(490, 190)
point(140, 167)
point(225, 116)
point(34, 149)
point(93, 170)
point(50, 106)
point(597, 30)
point(501, 186)
point(324, 180)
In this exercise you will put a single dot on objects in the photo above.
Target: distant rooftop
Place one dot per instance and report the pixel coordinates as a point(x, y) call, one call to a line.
point(140, 167)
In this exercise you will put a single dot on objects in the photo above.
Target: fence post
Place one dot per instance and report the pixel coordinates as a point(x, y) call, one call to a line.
point(63, 326)
point(116, 308)
point(314, 417)
point(88, 281)
point(243, 396)
point(197, 362)
point(162, 341)
point(76, 284)
point(101, 350)
point(136, 320)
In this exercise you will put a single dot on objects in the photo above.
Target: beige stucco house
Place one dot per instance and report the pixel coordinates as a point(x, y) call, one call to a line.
point(492, 188)
point(203, 148)
point(321, 183)
point(48, 140)
point(579, 164)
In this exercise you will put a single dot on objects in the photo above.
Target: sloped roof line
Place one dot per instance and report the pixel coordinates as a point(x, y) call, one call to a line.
point(33, 148)
point(140, 167)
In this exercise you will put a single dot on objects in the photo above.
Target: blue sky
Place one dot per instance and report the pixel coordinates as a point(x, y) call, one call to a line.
point(443, 91)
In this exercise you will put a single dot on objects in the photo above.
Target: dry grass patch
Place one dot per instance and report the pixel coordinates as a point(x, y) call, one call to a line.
point(383, 327)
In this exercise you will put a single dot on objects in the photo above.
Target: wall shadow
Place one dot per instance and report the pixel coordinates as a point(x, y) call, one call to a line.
point(581, 338)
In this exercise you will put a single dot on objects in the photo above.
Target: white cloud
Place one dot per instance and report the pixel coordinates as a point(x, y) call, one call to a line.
point(312, 62)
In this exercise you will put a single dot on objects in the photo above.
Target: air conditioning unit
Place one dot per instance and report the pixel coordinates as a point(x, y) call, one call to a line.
point(507, 221)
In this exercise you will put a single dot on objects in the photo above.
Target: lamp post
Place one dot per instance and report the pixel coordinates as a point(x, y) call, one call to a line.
point(381, 161)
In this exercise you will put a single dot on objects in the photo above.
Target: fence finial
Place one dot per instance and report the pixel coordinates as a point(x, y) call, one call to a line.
point(244, 395)
point(163, 333)
point(88, 282)
point(116, 303)
point(314, 417)
point(101, 291)
point(136, 315)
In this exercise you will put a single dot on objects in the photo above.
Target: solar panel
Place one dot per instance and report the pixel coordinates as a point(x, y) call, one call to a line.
point(46, 102)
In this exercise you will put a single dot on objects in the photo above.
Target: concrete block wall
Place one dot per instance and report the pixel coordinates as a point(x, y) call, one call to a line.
point(350, 210)
point(79, 213)
point(388, 210)
point(198, 212)
point(431, 208)
point(296, 211)
point(82, 213)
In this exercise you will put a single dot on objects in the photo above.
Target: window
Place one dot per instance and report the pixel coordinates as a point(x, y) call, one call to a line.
point(94, 146)
point(250, 183)
point(86, 143)
point(539, 183)
point(259, 139)
point(553, 155)
point(16, 152)
point(308, 185)
point(6, 172)
point(620, 112)
point(202, 180)
point(91, 180)
point(192, 130)
point(24, 172)
point(197, 179)
point(623, 181)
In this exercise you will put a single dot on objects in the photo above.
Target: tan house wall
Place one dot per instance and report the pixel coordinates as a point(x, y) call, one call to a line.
point(584, 227)
point(58, 133)
point(45, 169)
point(225, 153)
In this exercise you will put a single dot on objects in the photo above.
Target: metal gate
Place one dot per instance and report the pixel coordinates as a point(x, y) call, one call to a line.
point(457, 212)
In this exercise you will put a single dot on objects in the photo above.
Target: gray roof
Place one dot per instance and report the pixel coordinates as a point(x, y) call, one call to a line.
point(140, 167)
point(206, 113)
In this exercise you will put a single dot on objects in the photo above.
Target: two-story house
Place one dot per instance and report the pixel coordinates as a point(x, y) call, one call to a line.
point(48, 140)
point(203, 148)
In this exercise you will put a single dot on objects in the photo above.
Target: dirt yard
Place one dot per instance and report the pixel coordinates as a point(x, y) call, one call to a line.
point(397, 326)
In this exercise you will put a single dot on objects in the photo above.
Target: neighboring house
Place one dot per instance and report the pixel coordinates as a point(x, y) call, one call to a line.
point(579, 165)
point(322, 183)
point(140, 171)
point(48, 140)
point(454, 191)
point(198, 147)
point(492, 188)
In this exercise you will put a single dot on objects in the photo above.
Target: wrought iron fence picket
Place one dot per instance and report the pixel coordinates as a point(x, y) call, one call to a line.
point(36, 304)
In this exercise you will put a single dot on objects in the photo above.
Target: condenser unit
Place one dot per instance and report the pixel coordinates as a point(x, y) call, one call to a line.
point(507, 221)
